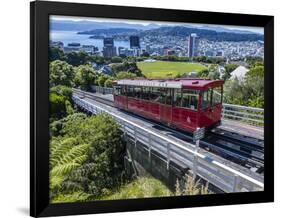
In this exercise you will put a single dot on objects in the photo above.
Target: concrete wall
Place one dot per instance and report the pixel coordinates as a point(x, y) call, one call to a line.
point(139, 162)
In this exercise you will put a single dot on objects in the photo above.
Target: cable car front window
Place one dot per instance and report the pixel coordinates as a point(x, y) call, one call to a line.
point(186, 98)
point(206, 99)
point(217, 95)
point(123, 90)
point(117, 90)
point(211, 97)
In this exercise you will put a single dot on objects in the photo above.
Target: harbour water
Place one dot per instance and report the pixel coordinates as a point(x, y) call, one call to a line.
point(72, 36)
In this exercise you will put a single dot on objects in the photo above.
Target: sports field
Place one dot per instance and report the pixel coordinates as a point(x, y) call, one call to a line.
point(168, 69)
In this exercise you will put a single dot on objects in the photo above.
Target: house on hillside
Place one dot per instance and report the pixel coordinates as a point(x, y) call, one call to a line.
point(105, 70)
point(239, 72)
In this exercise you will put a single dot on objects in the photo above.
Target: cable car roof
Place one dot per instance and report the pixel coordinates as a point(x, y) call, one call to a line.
point(176, 83)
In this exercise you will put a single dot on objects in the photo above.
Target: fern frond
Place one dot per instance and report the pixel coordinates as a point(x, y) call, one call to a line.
point(55, 181)
point(67, 158)
point(60, 148)
point(63, 169)
point(73, 154)
point(72, 186)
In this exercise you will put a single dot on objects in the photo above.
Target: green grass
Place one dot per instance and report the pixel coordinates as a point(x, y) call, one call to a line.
point(143, 187)
point(168, 69)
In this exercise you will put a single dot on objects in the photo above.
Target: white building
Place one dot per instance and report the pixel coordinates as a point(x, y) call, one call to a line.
point(239, 72)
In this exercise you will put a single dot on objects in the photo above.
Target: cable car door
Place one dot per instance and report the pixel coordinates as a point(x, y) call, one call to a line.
point(166, 105)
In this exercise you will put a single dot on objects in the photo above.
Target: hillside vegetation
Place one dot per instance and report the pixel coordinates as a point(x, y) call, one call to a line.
point(143, 187)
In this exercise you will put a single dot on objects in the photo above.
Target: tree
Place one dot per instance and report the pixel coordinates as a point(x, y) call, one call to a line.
point(56, 54)
point(97, 59)
point(234, 91)
point(125, 75)
point(77, 58)
point(60, 102)
point(255, 71)
point(254, 86)
point(63, 91)
point(214, 75)
point(86, 158)
point(254, 61)
point(57, 106)
point(126, 66)
point(101, 79)
point(105, 159)
point(60, 73)
point(145, 54)
point(228, 69)
point(85, 76)
point(203, 73)
point(116, 59)
point(108, 82)
point(249, 91)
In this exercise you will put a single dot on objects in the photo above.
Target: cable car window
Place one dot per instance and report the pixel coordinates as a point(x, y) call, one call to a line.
point(155, 95)
point(145, 93)
point(206, 99)
point(177, 97)
point(123, 90)
point(169, 97)
point(162, 96)
point(137, 92)
point(190, 99)
point(117, 90)
point(130, 91)
point(217, 95)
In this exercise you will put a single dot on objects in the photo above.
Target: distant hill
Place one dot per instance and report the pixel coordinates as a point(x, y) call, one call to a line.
point(213, 33)
point(218, 28)
point(202, 33)
point(111, 31)
point(84, 25)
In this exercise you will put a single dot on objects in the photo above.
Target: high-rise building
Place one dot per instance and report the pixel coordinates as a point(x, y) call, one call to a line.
point(109, 50)
point(134, 42)
point(193, 44)
point(107, 42)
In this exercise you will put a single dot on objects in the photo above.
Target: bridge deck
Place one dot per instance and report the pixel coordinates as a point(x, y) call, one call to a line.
point(171, 134)
point(237, 127)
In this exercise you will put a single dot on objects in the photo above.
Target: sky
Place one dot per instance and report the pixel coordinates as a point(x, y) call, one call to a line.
point(142, 22)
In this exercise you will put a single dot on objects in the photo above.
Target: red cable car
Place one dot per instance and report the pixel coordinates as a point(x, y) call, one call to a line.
point(184, 103)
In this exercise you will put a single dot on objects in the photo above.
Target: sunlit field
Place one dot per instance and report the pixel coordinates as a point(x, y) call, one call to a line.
point(168, 69)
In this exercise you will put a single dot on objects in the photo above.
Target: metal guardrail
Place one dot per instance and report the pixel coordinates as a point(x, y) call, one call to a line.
point(103, 90)
point(250, 115)
point(216, 173)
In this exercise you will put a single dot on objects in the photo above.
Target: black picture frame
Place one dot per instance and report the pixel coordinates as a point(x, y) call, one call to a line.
point(39, 119)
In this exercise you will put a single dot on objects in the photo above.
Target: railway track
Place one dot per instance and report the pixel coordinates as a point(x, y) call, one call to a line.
point(246, 151)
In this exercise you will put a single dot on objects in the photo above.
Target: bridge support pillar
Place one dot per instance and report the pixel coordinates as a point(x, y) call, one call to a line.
point(149, 148)
point(168, 155)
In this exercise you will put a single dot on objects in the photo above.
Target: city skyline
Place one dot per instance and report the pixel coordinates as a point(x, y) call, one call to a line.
point(154, 38)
